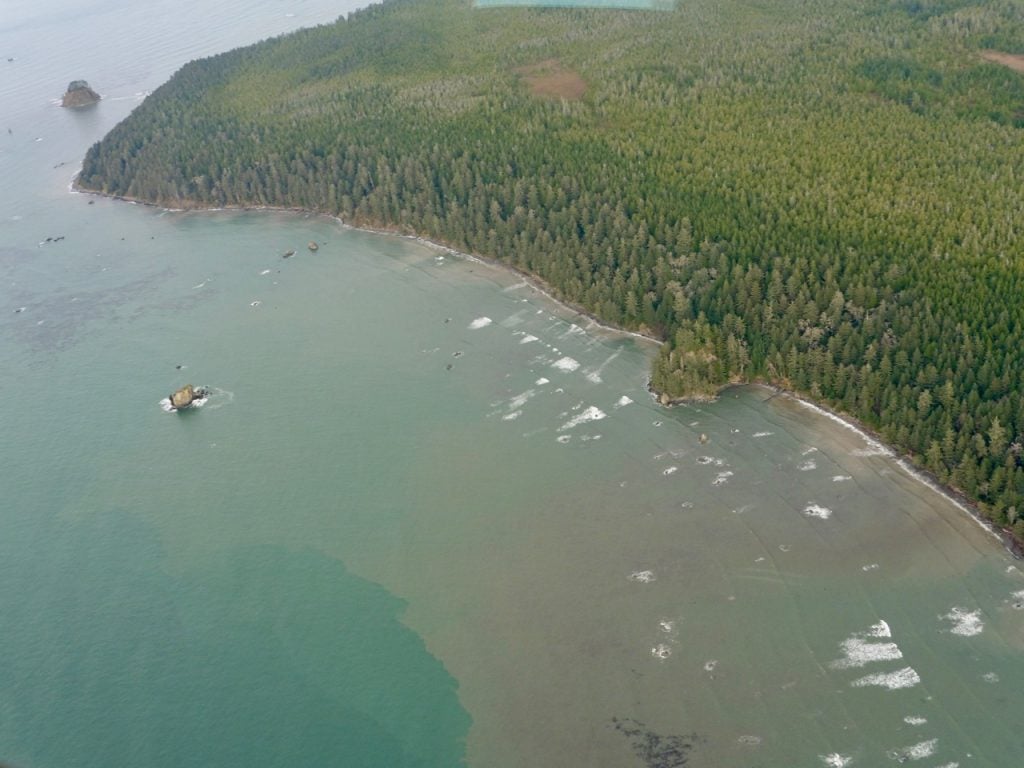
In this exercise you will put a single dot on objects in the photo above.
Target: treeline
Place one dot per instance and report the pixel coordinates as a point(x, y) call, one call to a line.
point(825, 194)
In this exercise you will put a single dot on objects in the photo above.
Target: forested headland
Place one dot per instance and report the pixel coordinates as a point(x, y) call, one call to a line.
point(823, 194)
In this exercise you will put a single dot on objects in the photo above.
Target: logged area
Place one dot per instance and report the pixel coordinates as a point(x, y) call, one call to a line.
point(825, 194)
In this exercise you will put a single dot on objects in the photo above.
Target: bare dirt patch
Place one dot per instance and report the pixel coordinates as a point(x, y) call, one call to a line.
point(551, 80)
point(1014, 61)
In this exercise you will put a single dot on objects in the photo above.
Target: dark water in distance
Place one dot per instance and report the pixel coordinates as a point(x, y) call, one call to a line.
point(426, 515)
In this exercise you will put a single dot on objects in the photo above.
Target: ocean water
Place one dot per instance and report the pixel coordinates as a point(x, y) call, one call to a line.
point(426, 517)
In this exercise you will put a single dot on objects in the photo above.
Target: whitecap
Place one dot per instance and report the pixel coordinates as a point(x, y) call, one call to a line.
point(592, 413)
point(858, 652)
point(480, 322)
point(763, 434)
point(666, 626)
point(835, 760)
point(881, 629)
point(520, 400)
point(721, 478)
point(566, 364)
point(669, 470)
point(705, 460)
point(255, 303)
point(870, 567)
point(661, 651)
point(710, 665)
point(807, 466)
point(915, 720)
point(265, 272)
point(917, 751)
point(594, 377)
point(542, 381)
point(512, 416)
point(840, 478)
point(965, 623)
point(990, 677)
point(818, 511)
point(894, 681)
point(687, 505)
point(563, 439)
point(622, 401)
point(166, 406)
point(644, 577)
point(527, 339)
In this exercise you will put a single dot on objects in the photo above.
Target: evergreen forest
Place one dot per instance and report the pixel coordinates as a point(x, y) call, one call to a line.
point(823, 194)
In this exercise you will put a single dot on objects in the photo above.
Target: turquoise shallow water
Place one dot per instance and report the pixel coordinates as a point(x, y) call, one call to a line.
point(426, 516)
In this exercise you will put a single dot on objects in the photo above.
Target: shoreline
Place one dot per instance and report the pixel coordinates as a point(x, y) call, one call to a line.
point(1013, 545)
point(876, 446)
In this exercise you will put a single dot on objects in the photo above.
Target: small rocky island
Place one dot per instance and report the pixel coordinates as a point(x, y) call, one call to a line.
point(79, 94)
point(187, 396)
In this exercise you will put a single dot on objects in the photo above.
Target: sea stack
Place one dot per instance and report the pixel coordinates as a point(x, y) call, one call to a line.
point(79, 94)
point(312, 245)
point(184, 396)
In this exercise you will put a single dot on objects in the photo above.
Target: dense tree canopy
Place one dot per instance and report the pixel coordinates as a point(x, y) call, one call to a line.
point(826, 194)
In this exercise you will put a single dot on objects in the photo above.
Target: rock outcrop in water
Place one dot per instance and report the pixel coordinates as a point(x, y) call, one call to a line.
point(186, 396)
point(79, 94)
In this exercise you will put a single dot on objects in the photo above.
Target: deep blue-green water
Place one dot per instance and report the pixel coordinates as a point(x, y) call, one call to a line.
point(426, 517)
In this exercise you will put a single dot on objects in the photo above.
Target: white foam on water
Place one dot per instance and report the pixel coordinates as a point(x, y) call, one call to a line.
point(881, 629)
point(710, 665)
point(563, 439)
point(840, 478)
point(480, 322)
point(687, 505)
point(255, 303)
point(917, 751)
point(915, 720)
point(705, 460)
point(762, 434)
point(200, 285)
point(965, 623)
point(265, 272)
point(1018, 595)
point(527, 339)
point(808, 451)
point(669, 470)
point(818, 511)
point(870, 567)
point(644, 577)
point(835, 760)
point(656, 423)
point(666, 626)
point(784, 547)
point(585, 438)
point(807, 466)
point(166, 406)
point(721, 478)
point(894, 681)
point(542, 381)
point(990, 677)
point(857, 652)
point(949, 765)
point(594, 377)
point(623, 401)
point(512, 416)
point(566, 364)
point(520, 400)
point(592, 413)
point(661, 651)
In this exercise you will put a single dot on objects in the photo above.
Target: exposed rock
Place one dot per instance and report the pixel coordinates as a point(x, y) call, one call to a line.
point(187, 395)
point(703, 438)
point(79, 94)
point(288, 254)
point(312, 245)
